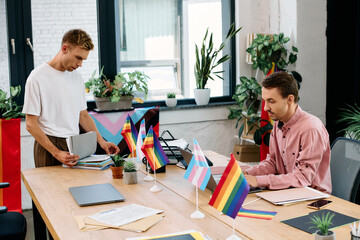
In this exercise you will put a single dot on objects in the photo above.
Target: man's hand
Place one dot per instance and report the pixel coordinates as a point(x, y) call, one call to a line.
point(66, 158)
point(251, 180)
point(110, 148)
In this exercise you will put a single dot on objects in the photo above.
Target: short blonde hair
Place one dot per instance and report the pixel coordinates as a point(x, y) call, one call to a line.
point(78, 37)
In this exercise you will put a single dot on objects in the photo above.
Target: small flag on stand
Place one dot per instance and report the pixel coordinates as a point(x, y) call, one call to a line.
point(130, 135)
point(198, 171)
point(153, 151)
point(231, 191)
point(139, 142)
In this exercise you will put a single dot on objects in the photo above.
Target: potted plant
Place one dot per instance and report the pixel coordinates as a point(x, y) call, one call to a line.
point(119, 93)
point(117, 168)
point(268, 49)
point(247, 96)
point(171, 100)
point(322, 224)
point(8, 107)
point(350, 118)
point(130, 173)
point(206, 62)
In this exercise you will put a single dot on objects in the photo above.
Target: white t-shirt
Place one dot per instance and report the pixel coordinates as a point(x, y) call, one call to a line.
point(57, 98)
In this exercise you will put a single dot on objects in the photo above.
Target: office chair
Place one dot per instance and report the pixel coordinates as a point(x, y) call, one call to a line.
point(12, 224)
point(345, 169)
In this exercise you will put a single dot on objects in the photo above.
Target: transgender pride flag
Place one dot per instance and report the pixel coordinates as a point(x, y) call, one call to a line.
point(139, 142)
point(231, 191)
point(198, 171)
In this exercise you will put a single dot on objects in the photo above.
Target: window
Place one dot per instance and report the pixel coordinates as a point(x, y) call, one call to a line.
point(159, 36)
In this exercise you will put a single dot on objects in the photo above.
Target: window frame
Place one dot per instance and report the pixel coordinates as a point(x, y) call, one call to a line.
point(108, 33)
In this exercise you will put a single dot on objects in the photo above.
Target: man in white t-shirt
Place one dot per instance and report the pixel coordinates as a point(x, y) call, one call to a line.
point(55, 103)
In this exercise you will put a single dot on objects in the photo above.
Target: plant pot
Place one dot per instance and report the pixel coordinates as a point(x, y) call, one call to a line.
point(319, 236)
point(353, 237)
point(104, 104)
point(202, 96)
point(171, 102)
point(117, 172)
point(130, 177)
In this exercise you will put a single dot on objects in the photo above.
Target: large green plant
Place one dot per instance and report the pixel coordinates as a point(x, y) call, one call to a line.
point(8, 107)
point(125, 84)
point(247, 96)
point(268, 49)
point(206, 58)
point(350, 118)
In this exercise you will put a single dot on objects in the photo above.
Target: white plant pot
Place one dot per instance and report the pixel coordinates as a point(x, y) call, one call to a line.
point(202, 96)
point(171, 102)
point(331, 236)
point(130, 177)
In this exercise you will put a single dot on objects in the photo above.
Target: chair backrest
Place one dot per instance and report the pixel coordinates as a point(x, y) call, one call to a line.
point(345, 169)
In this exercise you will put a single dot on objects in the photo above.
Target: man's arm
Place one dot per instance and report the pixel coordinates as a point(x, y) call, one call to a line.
point(32, 126)
point(88, 124)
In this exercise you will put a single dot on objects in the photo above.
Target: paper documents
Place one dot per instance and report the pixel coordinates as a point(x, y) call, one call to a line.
point(124, 215)
point(292, 195)
point(186, 235)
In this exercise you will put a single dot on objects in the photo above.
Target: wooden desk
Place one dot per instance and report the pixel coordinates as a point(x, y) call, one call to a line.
point(250, 227)
point(49, 190)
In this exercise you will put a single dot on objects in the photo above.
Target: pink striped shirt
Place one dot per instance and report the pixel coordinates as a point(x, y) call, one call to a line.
point(299, 155)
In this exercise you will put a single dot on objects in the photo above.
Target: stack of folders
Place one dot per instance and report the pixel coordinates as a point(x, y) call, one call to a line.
point(95, 162)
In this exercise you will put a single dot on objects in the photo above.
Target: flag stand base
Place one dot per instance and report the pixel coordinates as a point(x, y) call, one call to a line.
point(233, 237)
point(197, 214)
point(148, 178)
point(155, 188)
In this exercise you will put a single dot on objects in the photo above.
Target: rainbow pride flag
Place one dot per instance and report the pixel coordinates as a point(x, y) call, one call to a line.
point(230, 193)
point(198, 171)
point(130, 134)
point(256, 214)
point(153, 151)
point(140, 141)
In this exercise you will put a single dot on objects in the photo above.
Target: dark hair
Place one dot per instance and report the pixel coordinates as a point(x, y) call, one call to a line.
point(284, 82)
point(78, 37)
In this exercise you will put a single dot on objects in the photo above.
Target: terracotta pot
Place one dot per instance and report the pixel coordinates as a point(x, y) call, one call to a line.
point(117, 172)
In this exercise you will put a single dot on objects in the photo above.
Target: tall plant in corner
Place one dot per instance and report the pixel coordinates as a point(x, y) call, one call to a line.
point(206, 62)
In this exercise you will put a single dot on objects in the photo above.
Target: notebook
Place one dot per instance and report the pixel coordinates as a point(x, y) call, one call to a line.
point(291, 195)
point(216, 173)
point(83, 144)
point(96, 194)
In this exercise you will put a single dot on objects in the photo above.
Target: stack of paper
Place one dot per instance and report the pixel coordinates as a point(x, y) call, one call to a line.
point(132, 217)
point(186, 235)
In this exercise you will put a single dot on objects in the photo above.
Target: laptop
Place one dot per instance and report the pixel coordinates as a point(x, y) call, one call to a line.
point(214, 178)
point(96, 194)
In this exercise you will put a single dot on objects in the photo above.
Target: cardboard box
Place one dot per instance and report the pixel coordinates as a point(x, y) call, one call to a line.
point(247, 153)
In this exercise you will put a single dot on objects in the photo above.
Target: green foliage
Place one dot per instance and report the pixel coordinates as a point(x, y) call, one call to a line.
point(322, 223)
point(171, 95)
point(125, 84)
point(130, 166)
point(266, 49)
point(118, 160)
point(8, 107)
point(247, 98)
point(206, 58)
point(350, 118)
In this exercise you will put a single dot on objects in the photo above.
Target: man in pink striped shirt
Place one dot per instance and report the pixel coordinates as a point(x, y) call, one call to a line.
point(299, 143)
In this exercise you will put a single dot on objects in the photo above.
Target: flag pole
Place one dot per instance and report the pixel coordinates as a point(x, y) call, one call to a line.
point(233, 236)
point(148, 178)
point(155, 188)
